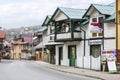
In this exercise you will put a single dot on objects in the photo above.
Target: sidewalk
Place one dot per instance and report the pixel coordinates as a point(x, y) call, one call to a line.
point(84, 72)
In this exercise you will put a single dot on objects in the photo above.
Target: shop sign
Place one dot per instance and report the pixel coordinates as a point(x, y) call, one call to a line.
point(94, 42)
point(111, 65)
point(108, 54)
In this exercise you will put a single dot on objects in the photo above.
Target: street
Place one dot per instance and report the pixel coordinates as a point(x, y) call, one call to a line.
point(29, 70)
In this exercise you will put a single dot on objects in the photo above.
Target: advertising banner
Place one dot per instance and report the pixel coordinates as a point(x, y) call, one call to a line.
point(109, 56)
point(96, 28)
point(111, 65)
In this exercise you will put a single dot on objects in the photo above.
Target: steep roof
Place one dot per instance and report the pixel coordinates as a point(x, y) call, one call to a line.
point(42, 29)
point(112, 4)
point(102, 9)
point(46, 21)
point(71, 13)
point(111, 18)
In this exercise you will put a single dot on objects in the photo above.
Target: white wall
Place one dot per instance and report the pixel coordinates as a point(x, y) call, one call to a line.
point(109, 44)
point(65, 60)
point(60, 16)
point(109, 29)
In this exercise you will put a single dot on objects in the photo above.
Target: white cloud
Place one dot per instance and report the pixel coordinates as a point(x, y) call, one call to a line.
point(31, 12)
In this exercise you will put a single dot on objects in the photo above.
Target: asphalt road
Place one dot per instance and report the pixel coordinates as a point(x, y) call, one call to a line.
point(29, 70)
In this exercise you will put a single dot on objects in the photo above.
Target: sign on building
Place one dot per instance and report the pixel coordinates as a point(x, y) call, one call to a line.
point(96, 28)
point(109, 56)
point(94, 42)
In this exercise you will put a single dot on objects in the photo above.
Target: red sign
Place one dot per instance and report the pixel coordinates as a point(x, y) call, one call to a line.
point(96, 27)
point(2, 34)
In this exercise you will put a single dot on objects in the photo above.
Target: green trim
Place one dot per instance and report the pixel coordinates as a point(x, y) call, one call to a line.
point(65, 14)
point(112, 71)
point(55, 14)
point(47, 17)
point(68, 39)
point(89, 9)
point(84, 23)
point(84, 40)
point(112, 20)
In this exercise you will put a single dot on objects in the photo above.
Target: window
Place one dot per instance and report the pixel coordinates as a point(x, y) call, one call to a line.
point(94, 34)
point(99, 22)
point(95, 50)
point(94, 19)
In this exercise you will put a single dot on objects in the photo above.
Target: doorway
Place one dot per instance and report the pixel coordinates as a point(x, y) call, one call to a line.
point(60, 54)
point(72, 55)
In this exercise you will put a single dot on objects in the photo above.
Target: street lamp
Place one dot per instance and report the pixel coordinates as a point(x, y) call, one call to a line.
point(28, 31)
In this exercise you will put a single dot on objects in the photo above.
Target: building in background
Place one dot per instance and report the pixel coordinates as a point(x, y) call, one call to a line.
point(2, 37)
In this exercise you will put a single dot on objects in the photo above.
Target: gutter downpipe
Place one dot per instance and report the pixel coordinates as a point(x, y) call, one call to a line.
point(84, 44)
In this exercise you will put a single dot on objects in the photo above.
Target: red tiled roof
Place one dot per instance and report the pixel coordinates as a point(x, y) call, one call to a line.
point(27, 39)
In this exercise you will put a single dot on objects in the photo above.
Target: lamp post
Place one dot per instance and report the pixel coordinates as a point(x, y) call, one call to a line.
point(28, 31)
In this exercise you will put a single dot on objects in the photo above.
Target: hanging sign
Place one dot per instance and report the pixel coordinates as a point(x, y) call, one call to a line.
point(96, 28)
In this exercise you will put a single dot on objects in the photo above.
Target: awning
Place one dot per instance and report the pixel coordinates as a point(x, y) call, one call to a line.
point(40, 45)
point(53, 43)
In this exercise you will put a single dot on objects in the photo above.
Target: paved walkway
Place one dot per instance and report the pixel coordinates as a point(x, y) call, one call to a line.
point(85, 72)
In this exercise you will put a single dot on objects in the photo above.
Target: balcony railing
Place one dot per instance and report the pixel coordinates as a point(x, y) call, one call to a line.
point(69, 36)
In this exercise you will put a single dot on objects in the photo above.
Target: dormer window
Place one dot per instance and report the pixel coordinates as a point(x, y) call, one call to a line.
point(94, 19)
point(96, 27)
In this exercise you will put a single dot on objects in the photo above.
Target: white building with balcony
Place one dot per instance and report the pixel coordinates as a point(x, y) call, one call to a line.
point(77, 37)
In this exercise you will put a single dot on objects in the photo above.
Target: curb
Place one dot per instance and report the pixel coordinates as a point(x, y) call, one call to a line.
point(76, 73)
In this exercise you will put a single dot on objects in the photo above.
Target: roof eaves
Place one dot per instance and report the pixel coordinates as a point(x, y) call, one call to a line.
point(53, 16)
point(97, 9)
point(87, 11)
point(45, 21)
point(92, 5)
point(64, 13)
point(84, 23)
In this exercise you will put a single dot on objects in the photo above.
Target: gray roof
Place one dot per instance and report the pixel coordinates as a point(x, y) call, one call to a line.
point(47, 17)
point(84, 23)
point(111, 18)
point(102, 9)
point(41, 29)
point(73, 13)
point(112, 4)
point(105, 9)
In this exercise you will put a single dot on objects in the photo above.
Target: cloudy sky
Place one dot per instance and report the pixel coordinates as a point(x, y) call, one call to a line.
point(19, 13)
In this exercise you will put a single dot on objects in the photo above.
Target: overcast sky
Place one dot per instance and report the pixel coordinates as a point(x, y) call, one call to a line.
point(23, 13)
